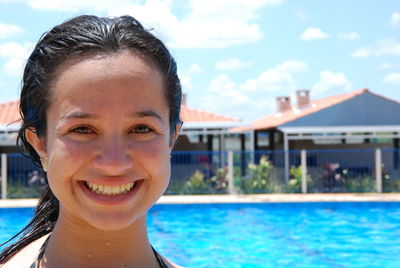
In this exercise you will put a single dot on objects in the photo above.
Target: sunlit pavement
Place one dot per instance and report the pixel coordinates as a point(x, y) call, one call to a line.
point(254, 198)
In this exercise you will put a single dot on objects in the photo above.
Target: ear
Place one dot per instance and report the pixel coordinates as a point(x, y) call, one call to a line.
point(37, 143)
point(178, 128)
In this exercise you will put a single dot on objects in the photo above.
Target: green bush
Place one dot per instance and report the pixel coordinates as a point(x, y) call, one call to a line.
point(18, 189)
point(259, 179)
point(219, 182)
point(391, 185)
point(197, 184)
point(174, 187)
point(295, 178)
point(362, 184)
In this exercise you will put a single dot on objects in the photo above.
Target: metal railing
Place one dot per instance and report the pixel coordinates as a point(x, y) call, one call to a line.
point(243, 172)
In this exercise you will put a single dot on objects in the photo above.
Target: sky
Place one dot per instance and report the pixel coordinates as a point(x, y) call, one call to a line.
point(236, 56)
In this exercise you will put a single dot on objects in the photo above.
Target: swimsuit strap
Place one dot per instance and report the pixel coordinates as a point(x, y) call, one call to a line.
point(43, 247)
point(159, 259)
point(41, 253)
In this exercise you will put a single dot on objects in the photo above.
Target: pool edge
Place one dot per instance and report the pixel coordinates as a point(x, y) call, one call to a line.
point(254, 198)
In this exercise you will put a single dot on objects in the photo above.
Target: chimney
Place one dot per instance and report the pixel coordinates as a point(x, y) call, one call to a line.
point(184, 99)
point(283, 103)
point(303, 97)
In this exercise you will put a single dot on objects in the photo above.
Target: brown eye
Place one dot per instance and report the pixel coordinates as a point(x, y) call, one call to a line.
point(142, 130)
point(82, 130)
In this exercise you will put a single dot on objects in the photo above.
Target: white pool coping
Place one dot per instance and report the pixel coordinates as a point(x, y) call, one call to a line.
point(255, 198)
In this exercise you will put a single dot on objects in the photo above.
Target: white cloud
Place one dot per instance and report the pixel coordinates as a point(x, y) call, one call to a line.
point(269, 80)
point(223, 89)
point(313, 33)
point(195, 68)
point(235, 104)
point(77, 5)
point(361, 53)
point(348, 36)
point(9, 30)
point(393, 78)
point(387, 47)
point(231, 64)
point(222, 82)
point(330, 81)
point(382, 47)
point(186, 82)
point(251, 98)
point(292, 66)
point(385, 66)
point(275, 79)
point(207, 24)
point(15, 55)
point(301, 14)
point(395, 20)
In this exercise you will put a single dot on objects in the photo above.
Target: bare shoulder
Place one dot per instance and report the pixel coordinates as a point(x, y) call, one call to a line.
point(26, 256)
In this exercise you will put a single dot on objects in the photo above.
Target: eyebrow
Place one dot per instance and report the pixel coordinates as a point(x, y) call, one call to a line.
point(146, 113)
point(83, 115)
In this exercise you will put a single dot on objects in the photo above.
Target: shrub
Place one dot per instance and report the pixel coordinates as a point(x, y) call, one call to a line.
point(259, 179)
point(362, 184)
point(391, 185)
point(219, 182)
point(18, 189)
point(197, 184)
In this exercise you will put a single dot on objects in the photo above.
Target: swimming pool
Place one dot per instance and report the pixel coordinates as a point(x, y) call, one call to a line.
point(332, 234)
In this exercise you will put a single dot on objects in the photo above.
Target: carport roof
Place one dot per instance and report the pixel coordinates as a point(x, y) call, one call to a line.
point(358, 108)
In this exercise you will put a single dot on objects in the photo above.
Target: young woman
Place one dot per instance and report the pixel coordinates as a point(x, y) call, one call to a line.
point(100, 106)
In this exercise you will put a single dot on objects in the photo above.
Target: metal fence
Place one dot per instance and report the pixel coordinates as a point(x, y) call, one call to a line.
point(306, 171)
point(243, 172)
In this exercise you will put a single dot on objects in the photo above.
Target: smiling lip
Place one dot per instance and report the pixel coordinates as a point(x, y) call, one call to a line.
point(105, 194)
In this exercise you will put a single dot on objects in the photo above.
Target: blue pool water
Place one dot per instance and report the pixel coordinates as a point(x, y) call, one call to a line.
point(267, 235)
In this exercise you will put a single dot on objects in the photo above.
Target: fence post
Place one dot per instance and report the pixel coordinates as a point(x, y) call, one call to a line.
point(286, 156)
point(303, 171)
point(3, 176)
point(378, 170)
point(231, 186)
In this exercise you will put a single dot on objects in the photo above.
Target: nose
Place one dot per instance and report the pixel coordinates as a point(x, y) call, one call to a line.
point(112, 157)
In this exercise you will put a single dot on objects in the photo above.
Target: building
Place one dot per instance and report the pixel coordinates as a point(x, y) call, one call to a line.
point(358, 119)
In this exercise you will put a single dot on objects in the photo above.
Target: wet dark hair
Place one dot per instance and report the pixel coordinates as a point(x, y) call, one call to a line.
point(80, 37)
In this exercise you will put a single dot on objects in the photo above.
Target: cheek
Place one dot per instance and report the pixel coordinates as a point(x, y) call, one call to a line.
point(155, 156)
point(64, 159)
point(70, 149)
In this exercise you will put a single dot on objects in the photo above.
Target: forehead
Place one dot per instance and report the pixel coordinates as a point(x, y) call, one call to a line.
point(107, 76)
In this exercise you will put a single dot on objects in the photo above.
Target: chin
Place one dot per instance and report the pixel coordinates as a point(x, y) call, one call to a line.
point(116, 224)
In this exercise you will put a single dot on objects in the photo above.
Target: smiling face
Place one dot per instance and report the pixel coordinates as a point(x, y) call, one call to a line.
point(108, 140)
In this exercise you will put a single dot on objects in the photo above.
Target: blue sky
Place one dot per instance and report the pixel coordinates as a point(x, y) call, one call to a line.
point(236, 56)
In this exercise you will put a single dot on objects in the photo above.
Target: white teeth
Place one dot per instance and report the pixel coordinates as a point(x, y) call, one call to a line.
point(116, 189)
point(108, 189)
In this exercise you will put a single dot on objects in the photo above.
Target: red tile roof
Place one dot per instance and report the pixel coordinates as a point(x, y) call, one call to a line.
point(9, 114)
point(190, 115)
point(277, 119)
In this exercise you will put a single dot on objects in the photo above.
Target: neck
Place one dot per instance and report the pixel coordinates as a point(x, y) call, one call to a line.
point(78, 244)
